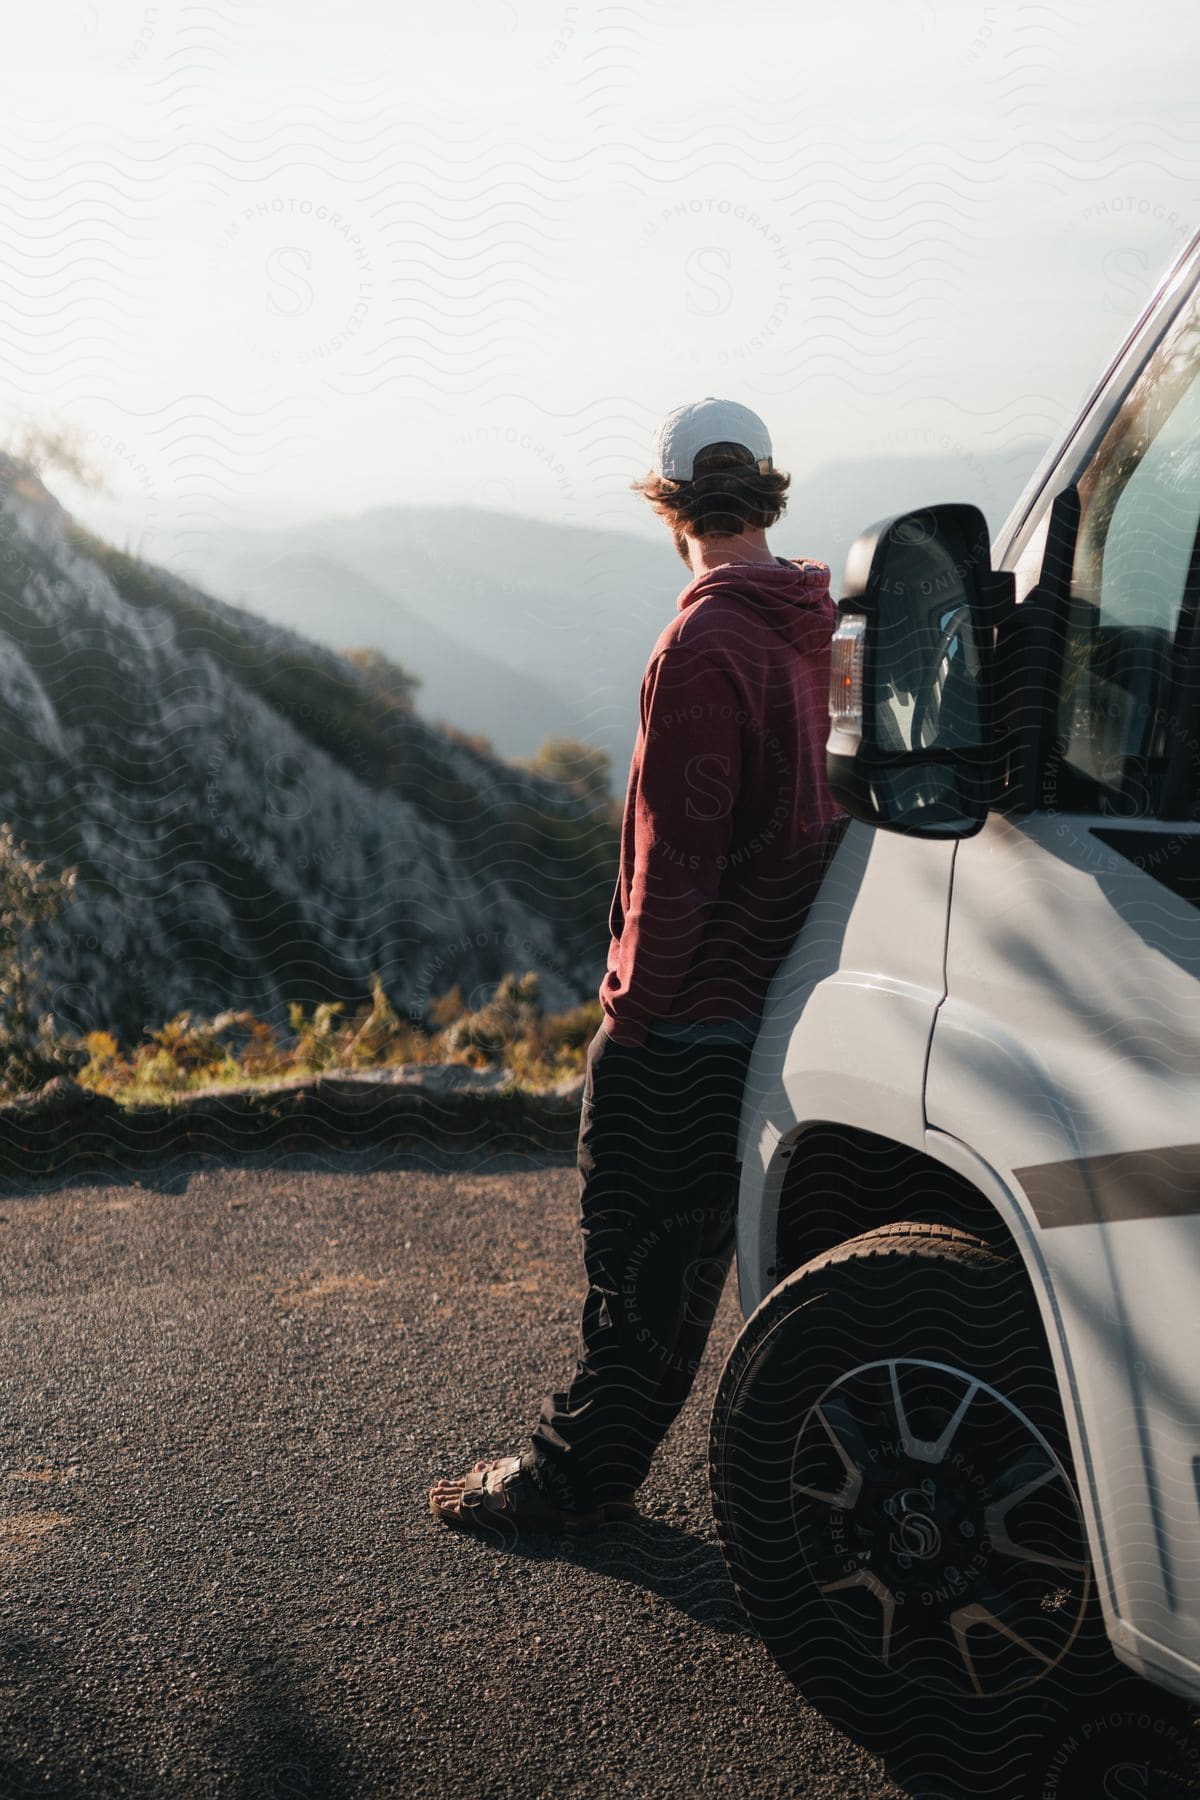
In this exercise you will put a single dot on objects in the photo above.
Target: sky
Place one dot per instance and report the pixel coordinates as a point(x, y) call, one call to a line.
point(272, 259)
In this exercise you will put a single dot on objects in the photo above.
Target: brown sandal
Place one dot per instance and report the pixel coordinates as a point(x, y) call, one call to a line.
point(501, 1497)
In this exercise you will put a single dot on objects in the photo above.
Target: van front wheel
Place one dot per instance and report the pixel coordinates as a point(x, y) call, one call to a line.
point(893, 1487)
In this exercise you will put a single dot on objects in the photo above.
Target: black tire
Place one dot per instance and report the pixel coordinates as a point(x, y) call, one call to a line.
point(874, 1423)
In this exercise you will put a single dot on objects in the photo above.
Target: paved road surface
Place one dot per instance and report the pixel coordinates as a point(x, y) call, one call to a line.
point(224, 1396)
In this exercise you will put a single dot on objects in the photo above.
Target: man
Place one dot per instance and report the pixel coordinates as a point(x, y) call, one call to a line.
point(725, 834)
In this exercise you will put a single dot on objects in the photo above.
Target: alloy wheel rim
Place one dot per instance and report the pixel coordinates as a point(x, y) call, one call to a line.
point(940, 1526)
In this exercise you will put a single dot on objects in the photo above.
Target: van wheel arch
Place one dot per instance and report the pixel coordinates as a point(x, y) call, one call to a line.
point(842, 1181)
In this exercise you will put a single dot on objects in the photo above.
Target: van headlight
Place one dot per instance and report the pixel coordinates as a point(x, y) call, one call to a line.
point(846, 685)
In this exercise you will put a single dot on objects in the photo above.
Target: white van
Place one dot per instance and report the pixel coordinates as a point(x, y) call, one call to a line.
point(956, 1449)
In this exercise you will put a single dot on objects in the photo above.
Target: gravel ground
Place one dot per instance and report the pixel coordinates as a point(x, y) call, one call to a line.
point(226, 1392)
point(226, 1395)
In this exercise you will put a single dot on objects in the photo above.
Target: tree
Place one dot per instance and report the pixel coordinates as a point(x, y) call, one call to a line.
point(584, 767)
point(61, 447)
point(394, 685)
point(31, 895)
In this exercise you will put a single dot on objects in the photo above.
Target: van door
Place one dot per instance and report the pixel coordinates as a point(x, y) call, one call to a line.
point(1067, 1051)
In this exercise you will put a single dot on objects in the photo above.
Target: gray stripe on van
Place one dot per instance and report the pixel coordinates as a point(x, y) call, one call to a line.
point(1130, 1184)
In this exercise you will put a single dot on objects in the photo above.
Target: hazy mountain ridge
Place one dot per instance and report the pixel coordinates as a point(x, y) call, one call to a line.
point(552, 625)
point(253, 820)
point(307, 590)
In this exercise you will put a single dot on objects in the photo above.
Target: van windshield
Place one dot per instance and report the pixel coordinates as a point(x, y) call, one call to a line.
point(1140, 508)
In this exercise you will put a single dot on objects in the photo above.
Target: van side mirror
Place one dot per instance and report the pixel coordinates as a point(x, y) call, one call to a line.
point(912, 744)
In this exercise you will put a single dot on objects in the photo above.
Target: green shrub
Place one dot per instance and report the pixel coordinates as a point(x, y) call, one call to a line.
point(31, 895)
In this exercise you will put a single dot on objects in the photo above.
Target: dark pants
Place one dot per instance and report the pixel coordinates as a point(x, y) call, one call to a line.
point(657, 1161)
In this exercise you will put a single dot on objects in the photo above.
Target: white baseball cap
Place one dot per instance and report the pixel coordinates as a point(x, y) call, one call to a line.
point(690, 429)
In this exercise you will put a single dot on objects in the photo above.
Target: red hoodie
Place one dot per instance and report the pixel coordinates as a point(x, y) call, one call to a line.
point(727, 815)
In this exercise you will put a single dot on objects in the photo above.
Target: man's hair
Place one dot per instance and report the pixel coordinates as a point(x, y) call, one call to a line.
point(725, 496)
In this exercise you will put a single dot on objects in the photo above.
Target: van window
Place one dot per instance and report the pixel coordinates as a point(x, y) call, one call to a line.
point(1140, 507)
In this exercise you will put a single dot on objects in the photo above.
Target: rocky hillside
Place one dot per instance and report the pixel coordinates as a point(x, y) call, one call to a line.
point(254, 818)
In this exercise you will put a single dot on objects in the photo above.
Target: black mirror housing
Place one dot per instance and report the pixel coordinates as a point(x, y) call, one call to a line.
point(913, 745)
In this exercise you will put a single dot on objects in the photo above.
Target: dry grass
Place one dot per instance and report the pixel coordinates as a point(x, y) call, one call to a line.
point(189, 1052)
